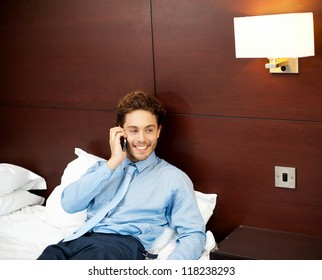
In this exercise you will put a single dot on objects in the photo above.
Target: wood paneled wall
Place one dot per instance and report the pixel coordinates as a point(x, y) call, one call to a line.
point(64, 66)
point(232, 121)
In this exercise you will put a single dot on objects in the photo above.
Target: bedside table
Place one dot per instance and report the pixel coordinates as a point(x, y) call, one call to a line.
point(263, 244)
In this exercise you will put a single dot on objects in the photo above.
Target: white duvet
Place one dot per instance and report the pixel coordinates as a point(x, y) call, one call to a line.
point(24, 235)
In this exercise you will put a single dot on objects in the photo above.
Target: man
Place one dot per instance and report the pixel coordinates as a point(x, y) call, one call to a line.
point(159, 195)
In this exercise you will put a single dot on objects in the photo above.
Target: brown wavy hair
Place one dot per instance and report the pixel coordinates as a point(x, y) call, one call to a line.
point(139, 100)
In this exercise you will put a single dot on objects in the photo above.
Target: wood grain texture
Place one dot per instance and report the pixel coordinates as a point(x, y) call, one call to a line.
point(231, 121)
point(43, 140)
point(76, 54)
point(235, 158)
point(196, 64)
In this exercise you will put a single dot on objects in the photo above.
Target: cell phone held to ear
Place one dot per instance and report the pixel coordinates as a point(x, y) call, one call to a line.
point(123, 143)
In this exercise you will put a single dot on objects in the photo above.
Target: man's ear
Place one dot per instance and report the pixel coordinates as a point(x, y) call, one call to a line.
point(159, 131)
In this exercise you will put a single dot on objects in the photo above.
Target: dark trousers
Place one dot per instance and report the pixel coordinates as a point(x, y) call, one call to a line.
point(96, 246)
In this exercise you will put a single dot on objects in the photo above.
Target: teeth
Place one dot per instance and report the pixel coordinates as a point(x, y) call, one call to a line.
point(141, 148)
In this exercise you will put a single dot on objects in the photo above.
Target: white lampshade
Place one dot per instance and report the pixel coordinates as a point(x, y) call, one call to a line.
point(282, 35)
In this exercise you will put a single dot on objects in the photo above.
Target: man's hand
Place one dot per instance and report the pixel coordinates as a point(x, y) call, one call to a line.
point(117, 153)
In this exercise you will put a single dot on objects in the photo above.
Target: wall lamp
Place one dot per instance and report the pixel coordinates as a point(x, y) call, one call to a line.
point(282, 38)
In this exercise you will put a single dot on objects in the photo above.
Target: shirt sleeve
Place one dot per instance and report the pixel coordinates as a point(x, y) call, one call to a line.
point(78, 195)
point(186, 219)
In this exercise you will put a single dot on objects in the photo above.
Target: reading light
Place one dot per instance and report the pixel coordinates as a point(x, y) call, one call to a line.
point(282, 38)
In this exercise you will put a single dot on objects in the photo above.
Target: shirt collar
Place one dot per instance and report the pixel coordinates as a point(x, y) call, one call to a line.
point(143, 164)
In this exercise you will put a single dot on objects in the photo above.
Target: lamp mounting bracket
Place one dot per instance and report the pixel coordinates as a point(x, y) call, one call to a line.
point(283, 65)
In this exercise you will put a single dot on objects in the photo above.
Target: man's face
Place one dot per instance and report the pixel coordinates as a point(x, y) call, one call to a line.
point(142, 134)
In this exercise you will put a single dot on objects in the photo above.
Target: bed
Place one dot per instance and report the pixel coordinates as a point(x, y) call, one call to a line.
point(28, 223)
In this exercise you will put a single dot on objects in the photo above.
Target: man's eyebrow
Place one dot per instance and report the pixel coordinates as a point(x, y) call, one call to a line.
point(148, 126)
point(151, 125)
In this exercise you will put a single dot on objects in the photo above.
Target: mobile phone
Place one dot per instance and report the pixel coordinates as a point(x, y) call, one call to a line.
point(123, 143)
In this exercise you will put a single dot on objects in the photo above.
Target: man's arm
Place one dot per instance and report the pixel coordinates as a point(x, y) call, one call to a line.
point(78, 195)
point(186, 219)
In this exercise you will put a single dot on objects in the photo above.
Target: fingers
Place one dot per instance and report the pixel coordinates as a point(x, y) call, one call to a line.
point(117, 153)
point(116, 133)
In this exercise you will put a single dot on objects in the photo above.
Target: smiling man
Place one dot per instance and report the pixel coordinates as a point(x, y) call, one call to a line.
point(158, 194)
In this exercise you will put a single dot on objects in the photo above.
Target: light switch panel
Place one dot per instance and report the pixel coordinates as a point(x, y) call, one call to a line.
point(285, 177)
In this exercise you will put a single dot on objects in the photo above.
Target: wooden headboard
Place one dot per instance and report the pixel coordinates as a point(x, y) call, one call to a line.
point(229, 121)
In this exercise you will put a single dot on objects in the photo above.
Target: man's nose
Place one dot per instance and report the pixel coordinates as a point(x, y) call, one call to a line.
point(141, 136)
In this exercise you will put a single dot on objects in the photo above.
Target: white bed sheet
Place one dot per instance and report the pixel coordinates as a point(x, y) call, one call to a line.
point(24, 235)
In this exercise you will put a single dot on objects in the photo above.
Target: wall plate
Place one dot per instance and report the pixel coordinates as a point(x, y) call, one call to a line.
point(285, 177)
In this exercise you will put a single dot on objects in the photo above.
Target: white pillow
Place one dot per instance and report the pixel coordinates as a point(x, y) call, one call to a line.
point(54, 214)
point(18, 199)
point(206, 204)
point(13, 177)
point(76, 168)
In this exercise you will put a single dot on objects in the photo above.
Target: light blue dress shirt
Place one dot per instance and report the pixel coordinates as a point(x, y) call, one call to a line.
point(160, 194)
